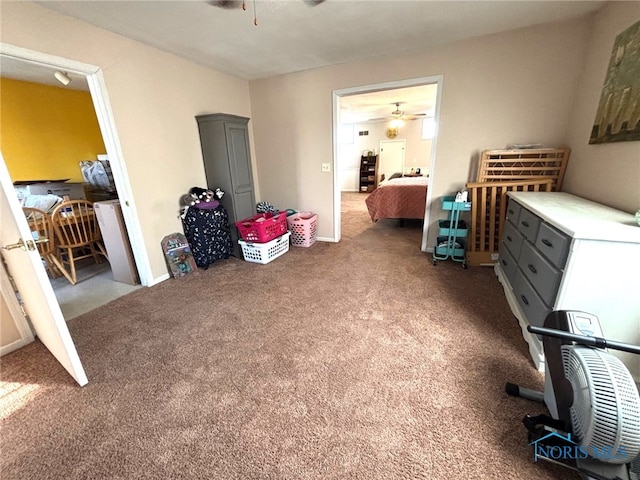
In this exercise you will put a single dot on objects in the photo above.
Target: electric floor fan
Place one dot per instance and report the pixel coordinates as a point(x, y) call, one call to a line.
point(594, 426)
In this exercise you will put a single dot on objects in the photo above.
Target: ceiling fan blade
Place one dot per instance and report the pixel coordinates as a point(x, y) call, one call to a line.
point(313, 3)
point(226, 4)
point(414, 116)
point(377, 119)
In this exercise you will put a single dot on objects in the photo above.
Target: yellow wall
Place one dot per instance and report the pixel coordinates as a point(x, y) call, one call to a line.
point(46, 131)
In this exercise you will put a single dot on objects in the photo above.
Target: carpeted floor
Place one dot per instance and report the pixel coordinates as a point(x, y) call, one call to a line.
point(356, 360)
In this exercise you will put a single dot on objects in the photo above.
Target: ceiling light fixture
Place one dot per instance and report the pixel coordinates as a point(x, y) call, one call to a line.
point(62, 77)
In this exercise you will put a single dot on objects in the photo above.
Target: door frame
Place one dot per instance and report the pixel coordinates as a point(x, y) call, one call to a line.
point(106, 121)
point(17, 315)
point(378, 87)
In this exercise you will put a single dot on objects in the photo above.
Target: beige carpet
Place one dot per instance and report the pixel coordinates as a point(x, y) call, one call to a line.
point(356, 360)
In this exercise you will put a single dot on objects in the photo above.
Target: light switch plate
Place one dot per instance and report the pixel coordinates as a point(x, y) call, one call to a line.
point(326, 167)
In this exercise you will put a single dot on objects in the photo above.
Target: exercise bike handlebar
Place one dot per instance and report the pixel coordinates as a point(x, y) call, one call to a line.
point(585, 339)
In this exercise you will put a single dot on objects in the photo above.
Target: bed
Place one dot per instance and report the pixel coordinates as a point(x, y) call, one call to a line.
point(403, 197)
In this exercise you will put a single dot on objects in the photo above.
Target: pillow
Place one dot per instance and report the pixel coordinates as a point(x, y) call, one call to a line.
point(395, 175)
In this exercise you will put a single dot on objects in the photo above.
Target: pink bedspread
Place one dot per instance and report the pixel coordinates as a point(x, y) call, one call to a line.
point(398, 198)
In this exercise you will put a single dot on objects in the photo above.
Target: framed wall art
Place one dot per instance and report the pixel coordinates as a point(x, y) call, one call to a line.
point(618, 115)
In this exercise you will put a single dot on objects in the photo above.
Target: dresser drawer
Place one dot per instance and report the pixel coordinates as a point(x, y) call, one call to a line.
point(553, 244)
point(544, 277)
point(513, 211)
point(513, 239)
point(530, 302)
point(528, 224)
point(508, 263)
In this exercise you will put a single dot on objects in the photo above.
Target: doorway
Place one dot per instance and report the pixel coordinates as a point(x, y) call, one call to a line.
point(75, 299)
point(384, 98)
point(60, 141)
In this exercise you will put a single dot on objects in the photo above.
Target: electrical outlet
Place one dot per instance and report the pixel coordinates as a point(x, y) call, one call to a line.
point(326, 167)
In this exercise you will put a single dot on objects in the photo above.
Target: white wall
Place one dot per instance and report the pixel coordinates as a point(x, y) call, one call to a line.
point(606, 173)
point(350, 147)
point(154, 97)
point(512, 87)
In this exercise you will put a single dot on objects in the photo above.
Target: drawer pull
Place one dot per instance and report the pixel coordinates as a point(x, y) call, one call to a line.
point(509, 238)
point(510, 211)
point(546, 242)
point(525, 224)
point(524, 299)
point(504, 262)
point(532, 268)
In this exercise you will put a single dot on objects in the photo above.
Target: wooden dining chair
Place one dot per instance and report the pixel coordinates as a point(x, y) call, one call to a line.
point(77, 236)
point(41, 228)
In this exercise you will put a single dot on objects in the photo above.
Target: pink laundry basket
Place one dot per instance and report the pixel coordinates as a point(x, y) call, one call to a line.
point(303, 226)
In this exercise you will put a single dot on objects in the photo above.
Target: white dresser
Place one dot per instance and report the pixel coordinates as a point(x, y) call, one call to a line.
point(562, 252)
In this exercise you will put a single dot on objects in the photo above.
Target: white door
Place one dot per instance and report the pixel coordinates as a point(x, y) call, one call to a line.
point(391, 158)
point(31, 279)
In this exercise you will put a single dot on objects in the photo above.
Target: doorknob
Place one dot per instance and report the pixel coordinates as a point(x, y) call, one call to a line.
point(19, 244)
point(28, 245)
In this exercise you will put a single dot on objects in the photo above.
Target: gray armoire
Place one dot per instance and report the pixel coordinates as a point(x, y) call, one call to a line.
point(227, 164)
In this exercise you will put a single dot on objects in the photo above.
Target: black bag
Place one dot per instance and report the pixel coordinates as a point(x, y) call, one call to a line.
point(208, 234)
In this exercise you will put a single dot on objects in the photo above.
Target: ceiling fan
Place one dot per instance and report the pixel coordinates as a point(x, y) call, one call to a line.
point(235, 4)
point(231, 4)
point(398, 114)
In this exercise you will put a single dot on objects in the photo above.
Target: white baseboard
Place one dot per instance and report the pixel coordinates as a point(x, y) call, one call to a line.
point(159, 279)
point(14, 346)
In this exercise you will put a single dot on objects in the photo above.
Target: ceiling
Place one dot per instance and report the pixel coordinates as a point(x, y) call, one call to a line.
point(298, 35)
point(379, 105)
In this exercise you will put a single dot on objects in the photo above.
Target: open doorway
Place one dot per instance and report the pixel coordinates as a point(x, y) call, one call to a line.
point(95, 285)
point(365, 118)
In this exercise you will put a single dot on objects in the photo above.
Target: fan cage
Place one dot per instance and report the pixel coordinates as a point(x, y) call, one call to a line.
point(605, 414)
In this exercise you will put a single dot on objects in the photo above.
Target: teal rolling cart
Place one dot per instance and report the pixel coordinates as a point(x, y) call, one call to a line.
point(452, 233)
